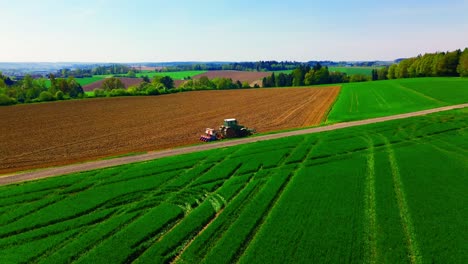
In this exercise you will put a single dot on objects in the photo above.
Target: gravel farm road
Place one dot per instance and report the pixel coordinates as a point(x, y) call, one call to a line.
point(99, 164)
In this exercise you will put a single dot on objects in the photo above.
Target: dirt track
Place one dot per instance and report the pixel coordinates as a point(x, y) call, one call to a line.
point(60, 133)
point(9, 179)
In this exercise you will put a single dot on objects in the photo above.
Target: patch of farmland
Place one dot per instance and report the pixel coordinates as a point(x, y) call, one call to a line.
point(126, 81)
point(381, 98)
point(73, 131)
point(370, 194)
point(83, 81)
point(242, 76)
point(179, 75)
point(353, 70)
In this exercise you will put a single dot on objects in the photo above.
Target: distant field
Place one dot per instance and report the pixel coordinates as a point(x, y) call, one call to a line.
point(127, 82)
point(103, 127)
point(353, 70)
point(242, 76)
point(380, 98)
point(392, 192)
point(84, 81)
point(283, 71)
point(180, 75)
point(347, 70)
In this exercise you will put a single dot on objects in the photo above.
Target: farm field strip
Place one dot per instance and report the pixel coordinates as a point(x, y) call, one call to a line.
point(353, 70)
point(180, 75)
point(138, 124)
point(381, 98)
point(363, 194)
point(19, 177)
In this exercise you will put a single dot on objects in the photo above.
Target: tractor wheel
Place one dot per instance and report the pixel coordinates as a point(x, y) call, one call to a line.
point(230, 132)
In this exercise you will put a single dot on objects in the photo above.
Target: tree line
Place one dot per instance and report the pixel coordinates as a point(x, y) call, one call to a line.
point(30, 90)
point(306, 75)
point(113, 86)
point(439, 64)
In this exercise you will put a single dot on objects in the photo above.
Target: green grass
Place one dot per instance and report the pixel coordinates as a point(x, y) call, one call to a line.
point(84, 81)
point(348, 70)
point(353, 70)
point(380, 98)
point(392, 192)
point(180, 75)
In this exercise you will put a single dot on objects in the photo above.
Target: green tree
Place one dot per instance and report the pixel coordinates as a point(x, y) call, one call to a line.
point(5, 100)
point(46, 96)
point(112, 83)
point(53, 84)
point(298, 77)
point(131, 74)
point(75, 89)
point(59, 95)
point(167, 82)
point(391, 71)
point(462, 67)
point(451, 61)
point(382, 73)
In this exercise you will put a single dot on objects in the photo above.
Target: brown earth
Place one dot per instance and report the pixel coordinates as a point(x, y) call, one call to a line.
point(59, 133)
point(241, 76)
point(100, 164)
point(126, 81)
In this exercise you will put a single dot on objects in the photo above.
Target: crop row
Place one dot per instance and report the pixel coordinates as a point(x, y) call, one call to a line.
point(368, 194)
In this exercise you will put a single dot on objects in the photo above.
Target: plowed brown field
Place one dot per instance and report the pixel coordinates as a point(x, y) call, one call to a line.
point(126, 81)
point(48, 134)
point(242, 76)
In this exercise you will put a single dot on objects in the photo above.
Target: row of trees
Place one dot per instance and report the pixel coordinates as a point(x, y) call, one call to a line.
point(204, 83)
point(440, 64)
point(305, 75)
point(30, 90)
point(99, 70)
point(115, 87)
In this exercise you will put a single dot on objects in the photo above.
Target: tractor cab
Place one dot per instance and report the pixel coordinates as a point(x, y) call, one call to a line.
point(230, 122)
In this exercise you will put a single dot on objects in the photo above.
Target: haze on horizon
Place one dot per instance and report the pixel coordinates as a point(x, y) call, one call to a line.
point(221, 30)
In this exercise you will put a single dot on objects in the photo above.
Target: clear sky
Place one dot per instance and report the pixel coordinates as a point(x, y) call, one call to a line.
point(222, 30)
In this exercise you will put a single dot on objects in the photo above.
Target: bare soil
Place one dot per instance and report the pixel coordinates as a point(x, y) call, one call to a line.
point(126, 81)
point(59, 133)
point(241, 76)
point(99, 164)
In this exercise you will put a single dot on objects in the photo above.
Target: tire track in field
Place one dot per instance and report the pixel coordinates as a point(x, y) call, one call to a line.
point(422, 95)
point(405, 216)
point(258, 227)
point(370, 207)
point(220, 233)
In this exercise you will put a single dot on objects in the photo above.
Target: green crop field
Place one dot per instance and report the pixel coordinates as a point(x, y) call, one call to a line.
point(380, 98)
point(353, 70)
point(391, 192)
point(84, 81)
point(180, 75)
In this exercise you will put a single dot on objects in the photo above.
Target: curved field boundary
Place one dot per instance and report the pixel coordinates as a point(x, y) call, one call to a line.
point(27, 176)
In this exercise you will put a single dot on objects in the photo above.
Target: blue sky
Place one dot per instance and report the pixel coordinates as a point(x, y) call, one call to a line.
point(221, 30)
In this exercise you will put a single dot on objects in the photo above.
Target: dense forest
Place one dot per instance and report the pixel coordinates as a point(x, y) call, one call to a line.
point(440, 64)
point(454, 63)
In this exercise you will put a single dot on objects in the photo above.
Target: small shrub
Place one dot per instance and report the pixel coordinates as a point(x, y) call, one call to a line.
point(118, 92)
point(5, 100)
point(152, 91)
point(99, 92)
point(59, 95)
point(46, 96)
